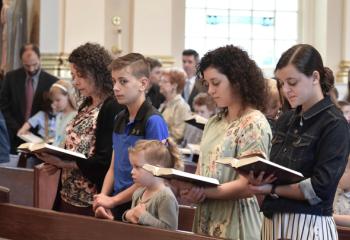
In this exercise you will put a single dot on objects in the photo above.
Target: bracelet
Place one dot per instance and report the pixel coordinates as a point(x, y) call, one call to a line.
point(273, 193)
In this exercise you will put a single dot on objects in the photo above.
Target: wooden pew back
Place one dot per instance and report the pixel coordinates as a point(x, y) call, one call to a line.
point(20, 182)
point(4, 195)
point(45, 187)
point(186, 217)
point(32, 223)
point(343, 233)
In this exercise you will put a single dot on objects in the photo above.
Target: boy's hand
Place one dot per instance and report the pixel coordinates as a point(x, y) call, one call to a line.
point(102, 200)
point(103, 213)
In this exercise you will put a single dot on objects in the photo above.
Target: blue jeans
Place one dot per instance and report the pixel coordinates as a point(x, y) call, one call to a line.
point(4, 141)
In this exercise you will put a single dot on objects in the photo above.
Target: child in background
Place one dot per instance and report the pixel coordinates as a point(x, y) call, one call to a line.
point(341, 205)
point(203, 105)
point(64, 103)
point(273, 106)
point(153, 204)
point(44, 121)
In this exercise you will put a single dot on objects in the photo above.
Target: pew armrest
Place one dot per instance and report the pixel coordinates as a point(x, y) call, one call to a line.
point(45, 187)
point(4, 195)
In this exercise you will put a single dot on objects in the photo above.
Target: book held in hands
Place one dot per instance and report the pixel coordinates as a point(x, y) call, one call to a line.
point(62, 153)
point(257, 164)
point(30, 138)
point(171, 173)
point(197, 121)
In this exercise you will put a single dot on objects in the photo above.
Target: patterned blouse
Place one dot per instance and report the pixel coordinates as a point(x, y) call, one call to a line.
point(76, 189)
point(233, 219)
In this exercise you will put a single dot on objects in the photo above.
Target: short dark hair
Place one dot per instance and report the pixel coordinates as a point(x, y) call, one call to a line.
point(91, 59)
point(191, 52)
point(153, 63)
point(29, 46)
point(306, 59)
point(242, 72)
point(136, 61)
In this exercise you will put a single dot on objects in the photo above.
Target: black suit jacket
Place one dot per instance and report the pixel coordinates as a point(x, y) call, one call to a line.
point(13, 100)
point(197, 88)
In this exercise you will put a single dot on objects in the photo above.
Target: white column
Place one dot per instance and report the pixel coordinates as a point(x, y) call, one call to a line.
point(344, 65)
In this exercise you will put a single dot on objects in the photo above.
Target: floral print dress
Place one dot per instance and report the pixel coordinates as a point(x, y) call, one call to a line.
point(232, 219)
point(76, 189)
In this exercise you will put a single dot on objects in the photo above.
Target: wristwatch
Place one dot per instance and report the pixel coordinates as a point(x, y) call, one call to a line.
point(273, 193)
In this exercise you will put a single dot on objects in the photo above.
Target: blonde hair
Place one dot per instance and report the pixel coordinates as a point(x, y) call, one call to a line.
point(65, 88)
point(161, 153)
point(273, 102)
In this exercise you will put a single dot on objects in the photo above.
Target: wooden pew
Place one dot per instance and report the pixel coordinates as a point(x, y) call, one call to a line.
point(343, 233)
point(45, 187)
point(20, 182)
point(4, 195)
point(186, 217)
point(20, 222)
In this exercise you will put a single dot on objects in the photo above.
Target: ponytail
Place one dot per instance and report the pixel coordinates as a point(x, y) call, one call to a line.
point(327, 81)
point(175, 156)
point(160, 153)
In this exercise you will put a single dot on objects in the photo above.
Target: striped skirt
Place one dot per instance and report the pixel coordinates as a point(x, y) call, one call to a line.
point(296, 226)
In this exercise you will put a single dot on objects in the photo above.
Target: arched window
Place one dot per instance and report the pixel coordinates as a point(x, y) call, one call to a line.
point(264, 28)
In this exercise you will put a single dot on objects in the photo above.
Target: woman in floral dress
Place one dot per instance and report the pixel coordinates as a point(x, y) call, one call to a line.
point(238, 87)
point(90, 132)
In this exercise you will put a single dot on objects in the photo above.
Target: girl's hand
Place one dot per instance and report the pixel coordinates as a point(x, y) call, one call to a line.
point(104, 213)
point(260, 180)
point(139, 210)
point(194, 195)
point(102, 200)
point(22, 131)
point(129, 216)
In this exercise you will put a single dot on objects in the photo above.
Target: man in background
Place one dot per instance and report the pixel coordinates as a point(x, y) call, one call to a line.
point(190, 60)
point(22, 91)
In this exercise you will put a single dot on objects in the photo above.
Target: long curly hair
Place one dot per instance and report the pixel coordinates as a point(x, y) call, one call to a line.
point(242, 72)
point(92, 60)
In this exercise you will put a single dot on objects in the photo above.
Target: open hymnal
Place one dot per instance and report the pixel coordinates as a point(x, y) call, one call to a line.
point(171, 173)
point(62, 153)
point(30, 138)
point(197, 121)
point(257, 164)
point(190, 149)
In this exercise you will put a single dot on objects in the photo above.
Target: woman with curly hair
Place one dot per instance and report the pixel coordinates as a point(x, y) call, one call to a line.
point(90, 132)
point(238, 88)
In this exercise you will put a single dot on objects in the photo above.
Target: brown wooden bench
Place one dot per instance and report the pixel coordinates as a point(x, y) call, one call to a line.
point(30, 187)
point(21, 222)
point(20, 182)
point(343, 233)
point(186, 217)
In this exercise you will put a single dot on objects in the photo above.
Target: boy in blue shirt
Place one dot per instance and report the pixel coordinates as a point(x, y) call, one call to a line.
point(140, 120)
